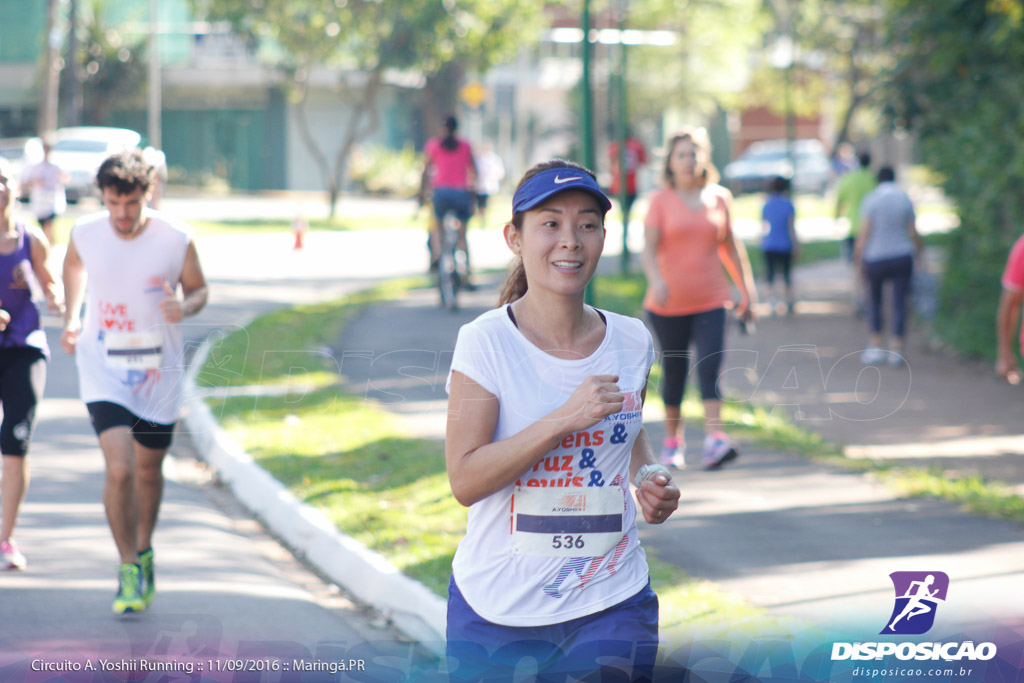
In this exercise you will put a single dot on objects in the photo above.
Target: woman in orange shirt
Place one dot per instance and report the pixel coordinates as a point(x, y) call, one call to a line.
point(688, 234)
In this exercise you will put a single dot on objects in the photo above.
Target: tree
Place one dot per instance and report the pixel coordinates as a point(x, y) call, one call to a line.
point(108, 65)
point(841, 60)
point(698, 71)
point(844, 40)
point(366, 40)
point(958, 83)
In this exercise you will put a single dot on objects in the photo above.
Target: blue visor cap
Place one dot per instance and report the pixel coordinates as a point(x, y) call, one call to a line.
point(546, 184)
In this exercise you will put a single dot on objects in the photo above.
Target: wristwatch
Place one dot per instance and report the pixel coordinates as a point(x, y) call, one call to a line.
point(648, 471)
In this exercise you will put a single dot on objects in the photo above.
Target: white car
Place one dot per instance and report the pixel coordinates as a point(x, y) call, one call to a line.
point(765, 159)
point(80, 150)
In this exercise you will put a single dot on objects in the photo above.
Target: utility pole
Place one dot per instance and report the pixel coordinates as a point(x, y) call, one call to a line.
point(48, 96)
point(155, 85)
point(72, 86)
point(623, 129)
point(587, 118)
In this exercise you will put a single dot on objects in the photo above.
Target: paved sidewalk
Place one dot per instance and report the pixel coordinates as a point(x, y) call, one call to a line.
point(795, 537)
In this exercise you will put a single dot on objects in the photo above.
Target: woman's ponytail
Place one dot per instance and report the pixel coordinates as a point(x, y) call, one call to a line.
point(515, 283)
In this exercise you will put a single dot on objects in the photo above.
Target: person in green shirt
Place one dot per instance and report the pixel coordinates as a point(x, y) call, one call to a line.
point(850, 192)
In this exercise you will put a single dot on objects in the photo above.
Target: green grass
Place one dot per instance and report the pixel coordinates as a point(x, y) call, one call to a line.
point(390, 491)
point(498, 209)
point(690, 606)
point(289, 345)
point(337, 224)
point(384, 488)
point(974, 494)
point(748, 206)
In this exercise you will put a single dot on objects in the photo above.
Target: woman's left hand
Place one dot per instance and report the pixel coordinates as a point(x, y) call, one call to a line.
point(744, 311)
point(658, 498)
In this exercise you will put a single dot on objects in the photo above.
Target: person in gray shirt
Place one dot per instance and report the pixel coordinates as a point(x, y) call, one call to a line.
point(886, 246)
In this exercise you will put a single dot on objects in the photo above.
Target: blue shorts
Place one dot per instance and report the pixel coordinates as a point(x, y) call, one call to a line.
point(622, 639)
point(459, 202)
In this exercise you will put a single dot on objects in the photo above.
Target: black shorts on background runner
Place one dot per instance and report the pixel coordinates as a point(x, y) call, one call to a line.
point(105, 415)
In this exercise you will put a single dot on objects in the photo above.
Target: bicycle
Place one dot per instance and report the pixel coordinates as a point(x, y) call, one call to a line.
point(448, 266)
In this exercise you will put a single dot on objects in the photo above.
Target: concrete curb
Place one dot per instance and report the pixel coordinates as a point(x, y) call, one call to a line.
point(366, 575)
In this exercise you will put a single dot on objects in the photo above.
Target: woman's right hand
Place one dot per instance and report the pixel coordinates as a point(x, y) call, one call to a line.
point(596, 398)
point(5, 319)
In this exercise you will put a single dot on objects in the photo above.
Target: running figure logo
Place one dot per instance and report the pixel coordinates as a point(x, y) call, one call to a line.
point(917, 597)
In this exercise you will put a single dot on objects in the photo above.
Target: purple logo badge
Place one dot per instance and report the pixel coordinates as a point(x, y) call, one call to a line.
point(918, 595)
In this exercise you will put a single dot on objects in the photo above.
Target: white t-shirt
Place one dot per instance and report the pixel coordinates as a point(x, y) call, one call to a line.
point(562, 542)
point(46, 194)
point(126, 353)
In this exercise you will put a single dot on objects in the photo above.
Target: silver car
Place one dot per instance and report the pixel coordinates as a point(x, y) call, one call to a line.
point(808, 171)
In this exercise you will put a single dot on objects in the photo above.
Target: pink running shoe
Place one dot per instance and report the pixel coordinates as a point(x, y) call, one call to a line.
point(718, 450)
point(11, 556)
point(673, 453)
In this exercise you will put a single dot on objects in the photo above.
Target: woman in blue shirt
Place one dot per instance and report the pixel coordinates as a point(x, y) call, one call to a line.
point(779, 245)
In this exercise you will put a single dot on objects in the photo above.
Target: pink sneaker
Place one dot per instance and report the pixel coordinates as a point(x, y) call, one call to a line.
point(11, 556)
point(718, 450)
point(673, 453)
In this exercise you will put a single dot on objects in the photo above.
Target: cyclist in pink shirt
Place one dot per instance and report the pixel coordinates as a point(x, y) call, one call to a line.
point(452, 173)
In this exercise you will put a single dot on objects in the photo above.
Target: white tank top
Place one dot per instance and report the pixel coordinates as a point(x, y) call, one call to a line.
point(126, 353)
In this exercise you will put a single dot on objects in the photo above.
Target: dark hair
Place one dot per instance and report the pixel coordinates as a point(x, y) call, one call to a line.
point(708, 174)
point(778, 185)
point(449, 141)
point(886, 174)
point(865, 159)
point(126, 172)
point(515, 280)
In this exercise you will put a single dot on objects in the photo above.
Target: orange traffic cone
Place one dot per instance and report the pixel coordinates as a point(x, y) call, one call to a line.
point(299, 227)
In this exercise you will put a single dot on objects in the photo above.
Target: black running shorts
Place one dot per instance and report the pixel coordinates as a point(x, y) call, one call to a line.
point(105, 415)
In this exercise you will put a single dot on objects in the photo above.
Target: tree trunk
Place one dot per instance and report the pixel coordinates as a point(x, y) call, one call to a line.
point(319, 158)
point(360, 125)
point(440, 97)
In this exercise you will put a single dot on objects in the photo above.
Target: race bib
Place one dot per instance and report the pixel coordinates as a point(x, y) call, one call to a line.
point(134, 350)
point(567, 522)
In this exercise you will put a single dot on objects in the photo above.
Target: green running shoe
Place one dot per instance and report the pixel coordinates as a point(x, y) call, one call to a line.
point(129, 597)
point(148, 582)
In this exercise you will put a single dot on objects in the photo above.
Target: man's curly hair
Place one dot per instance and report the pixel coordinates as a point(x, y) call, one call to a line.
point(126, 172)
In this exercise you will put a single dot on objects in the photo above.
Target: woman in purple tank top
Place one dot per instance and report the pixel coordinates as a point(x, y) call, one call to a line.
point(24, 252)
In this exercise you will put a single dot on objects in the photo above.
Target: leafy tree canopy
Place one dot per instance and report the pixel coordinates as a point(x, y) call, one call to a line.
point(958, 82)
point(369, 34)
